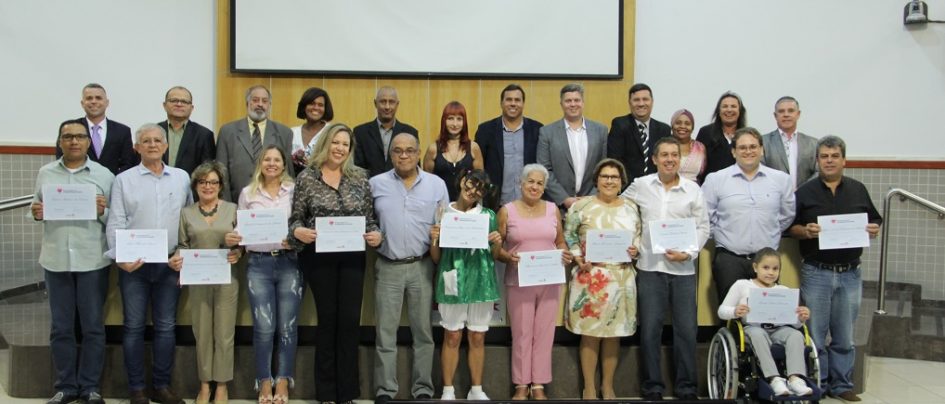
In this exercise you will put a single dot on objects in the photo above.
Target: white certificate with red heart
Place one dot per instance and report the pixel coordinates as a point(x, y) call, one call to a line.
point(69, 202)
point(262, 226)
point(540, 268)
point(672, 234)
point(204, 267)
point(339, 233)
point(148, 245)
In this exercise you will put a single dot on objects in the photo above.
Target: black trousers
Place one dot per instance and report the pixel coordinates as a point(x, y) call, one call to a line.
point(728, 268)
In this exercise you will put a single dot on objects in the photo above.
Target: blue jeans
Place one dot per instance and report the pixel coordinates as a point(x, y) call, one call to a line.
point(275, 292)
point(834, 302)
point(83, 292)
point(157, 284)
point(657, 292)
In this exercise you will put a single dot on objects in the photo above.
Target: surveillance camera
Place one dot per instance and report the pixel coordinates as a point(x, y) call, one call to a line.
point(915, 12)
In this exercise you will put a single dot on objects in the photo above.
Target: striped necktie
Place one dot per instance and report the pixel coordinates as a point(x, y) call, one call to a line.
point(257, 141)
point(645, 143)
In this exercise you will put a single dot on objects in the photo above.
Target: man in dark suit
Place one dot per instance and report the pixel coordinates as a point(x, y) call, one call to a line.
point(633, 137)
point(112, 145)
point(241, 142)
point(508, 143)
point(189, 143)
point(788, 150)
point(570, 149)
point(372, 139)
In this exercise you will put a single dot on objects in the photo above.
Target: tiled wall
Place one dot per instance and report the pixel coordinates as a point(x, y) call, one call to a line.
point(916, 255)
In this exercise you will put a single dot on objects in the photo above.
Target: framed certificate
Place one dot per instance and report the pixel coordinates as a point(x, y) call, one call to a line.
point(147, 245)
point(205, 267)
point(262, 226)
point(540, 268)
point(607, 245)
point(69, 202)
point(464, 230)
point(339, 233)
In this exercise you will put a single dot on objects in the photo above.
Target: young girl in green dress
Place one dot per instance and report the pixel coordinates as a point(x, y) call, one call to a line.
point(466, 287)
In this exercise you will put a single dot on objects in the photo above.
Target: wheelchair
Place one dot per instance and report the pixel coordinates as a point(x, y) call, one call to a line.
point(734, 372)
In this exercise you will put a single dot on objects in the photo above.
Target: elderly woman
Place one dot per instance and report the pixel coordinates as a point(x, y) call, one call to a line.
point(531, 224)
point(602, 296)
point(729, 116)
point(692, 159)
point(204, 225)
point(315, 108)
point(332, 186)
point(453, 153)
point(274, 281)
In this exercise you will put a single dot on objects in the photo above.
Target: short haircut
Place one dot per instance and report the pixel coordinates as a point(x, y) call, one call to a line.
point(80, 122)
point(747, 131)
point(203, 170)
point(832, 142)
point(786, 98)
point(249, 92)
point(639, 87)
point(571, 88)
point(742, 118)
point(94, 85)
point(150, 127)
point(664, 140)
point(609, 162)
point(511, 87)
point(308, 97)
point(189, 94)
point(531, 168)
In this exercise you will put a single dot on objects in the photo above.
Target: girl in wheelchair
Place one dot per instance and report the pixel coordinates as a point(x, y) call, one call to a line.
point(767, 266)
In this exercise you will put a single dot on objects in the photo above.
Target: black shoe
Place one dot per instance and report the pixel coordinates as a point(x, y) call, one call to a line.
point(423, 396)
point(687, 397)
point(93, 398)
point(63, 398)
point(653, 396)
point(166, 396)
point(382, 399)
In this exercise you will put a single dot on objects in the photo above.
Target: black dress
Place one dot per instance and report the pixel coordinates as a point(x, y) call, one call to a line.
point(449, 172)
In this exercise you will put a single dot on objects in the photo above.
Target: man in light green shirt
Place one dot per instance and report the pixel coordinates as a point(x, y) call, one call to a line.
point(76, 269)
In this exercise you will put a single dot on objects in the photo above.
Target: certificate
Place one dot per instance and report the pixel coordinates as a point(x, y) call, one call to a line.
point(607, 245)
point(339, 233)
point(146, 245)
point(673, 234)
point(772, 306)
point(843, 231)
point(69, 202)
point(262, 226)
point(540, 268)
point(205, 267)
point(464, 230)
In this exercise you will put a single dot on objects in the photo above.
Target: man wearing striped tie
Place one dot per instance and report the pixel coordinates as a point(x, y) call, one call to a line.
point(241, 141)
point(633, 136)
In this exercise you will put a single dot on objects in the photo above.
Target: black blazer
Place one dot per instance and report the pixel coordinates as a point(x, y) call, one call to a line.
point(624, 144)
point(718, 152)
point(369, 148)
point(489, 139)
point(118, 152)
point(196, 146)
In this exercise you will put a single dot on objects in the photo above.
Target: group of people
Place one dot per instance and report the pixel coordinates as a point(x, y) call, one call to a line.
point(542, 187)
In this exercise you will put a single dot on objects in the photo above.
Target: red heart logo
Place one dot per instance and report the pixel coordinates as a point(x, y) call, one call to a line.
point(764, 293)
point(59, 190)
point(600, 235)
point(533, 257)
point(132, 235)
point(196, 255)
point(664, 225)
point(252, 215)
point(455, 218)
point(833, 220)
point(331, 222)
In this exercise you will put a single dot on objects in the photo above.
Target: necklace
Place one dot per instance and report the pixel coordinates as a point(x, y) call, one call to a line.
point(530, 209)
point(210, 213)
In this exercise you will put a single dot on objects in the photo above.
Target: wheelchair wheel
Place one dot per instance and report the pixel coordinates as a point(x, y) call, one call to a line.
point(722, 365)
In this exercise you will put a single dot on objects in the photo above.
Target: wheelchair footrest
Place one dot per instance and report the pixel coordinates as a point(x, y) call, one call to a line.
point(766, 393)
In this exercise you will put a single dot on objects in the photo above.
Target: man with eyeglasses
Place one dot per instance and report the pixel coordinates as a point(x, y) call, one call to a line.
point(749, 205)
point(111, 142)
point(188, 143)
point(149, 196)
point(75, 269)
point(405, 201)
point(373, 139)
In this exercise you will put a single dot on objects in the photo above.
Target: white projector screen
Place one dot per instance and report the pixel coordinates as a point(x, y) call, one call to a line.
point(480, 38)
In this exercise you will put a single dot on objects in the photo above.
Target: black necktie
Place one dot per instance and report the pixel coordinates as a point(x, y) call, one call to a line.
point(257, 141)
point(644, 142)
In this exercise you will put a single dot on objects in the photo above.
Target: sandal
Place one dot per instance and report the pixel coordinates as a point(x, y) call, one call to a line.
point(521, 392)
point(265, 399)
point(538, 392)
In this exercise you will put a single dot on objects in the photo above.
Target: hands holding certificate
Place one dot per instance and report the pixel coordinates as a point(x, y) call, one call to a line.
point(100, 204)
point(307, 235)
point(803, 313)
point(585, 265)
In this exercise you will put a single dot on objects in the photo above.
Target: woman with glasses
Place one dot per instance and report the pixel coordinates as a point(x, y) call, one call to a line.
point(453, 153)
point(602, 295)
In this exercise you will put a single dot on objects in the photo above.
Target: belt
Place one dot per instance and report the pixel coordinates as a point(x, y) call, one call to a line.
point(721, 250)
point(274, 253)
point(834, 267)
point(408, 260)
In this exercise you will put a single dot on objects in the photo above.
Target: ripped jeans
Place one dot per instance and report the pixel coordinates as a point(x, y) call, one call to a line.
point(275, 293)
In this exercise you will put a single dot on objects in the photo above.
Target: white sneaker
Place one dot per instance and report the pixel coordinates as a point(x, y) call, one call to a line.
point(477, 395)
point(779, 385)
point(799, 387)
point(448, 394)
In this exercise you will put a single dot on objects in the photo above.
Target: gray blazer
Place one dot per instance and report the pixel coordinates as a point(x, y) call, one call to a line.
point(555, 155)
point(776, 158)
point(235, 152)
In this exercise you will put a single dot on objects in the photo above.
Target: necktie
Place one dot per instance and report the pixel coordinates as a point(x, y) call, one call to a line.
point(97, 140)
point(257, 141)
point(644, 142)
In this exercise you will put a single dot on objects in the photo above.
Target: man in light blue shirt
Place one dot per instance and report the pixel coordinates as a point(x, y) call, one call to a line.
point(405, 201)
point(75, 271)
point(149, 196)
point(749, 205)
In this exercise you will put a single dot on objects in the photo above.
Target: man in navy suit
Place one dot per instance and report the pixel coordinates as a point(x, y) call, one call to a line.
point(112, 145)
point(189, 143)
point(508, 143)
point(372, 139)
point(633, 137)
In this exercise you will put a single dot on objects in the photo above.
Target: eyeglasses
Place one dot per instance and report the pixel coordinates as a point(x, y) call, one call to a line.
point(402, 152)
point(73, 138)
point(609, 177)
point(178, 101)
point(750, 147)
point(210, 183)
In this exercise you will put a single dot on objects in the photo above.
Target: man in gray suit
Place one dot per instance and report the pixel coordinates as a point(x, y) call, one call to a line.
point(241, 141)
point(788, 150)
point(570, 148)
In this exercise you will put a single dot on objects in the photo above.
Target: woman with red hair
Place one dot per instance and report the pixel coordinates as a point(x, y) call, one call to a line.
point(453, 153)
